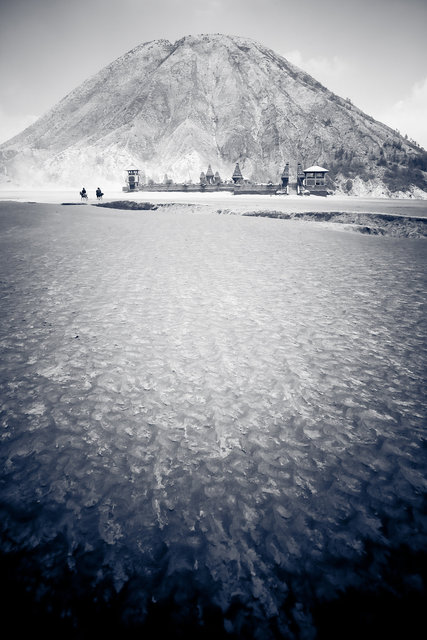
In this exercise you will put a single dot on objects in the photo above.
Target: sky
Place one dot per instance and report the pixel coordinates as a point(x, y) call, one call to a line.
point(371, 51)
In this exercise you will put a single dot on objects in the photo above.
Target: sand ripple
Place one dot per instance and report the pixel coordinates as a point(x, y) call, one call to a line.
point(234, 400)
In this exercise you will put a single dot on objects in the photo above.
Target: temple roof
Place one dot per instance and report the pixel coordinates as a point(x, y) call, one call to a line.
point(316, 168)
point(237, 172)
point(209, 172)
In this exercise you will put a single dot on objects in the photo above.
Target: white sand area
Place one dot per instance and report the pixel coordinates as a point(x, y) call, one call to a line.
point(240, 203)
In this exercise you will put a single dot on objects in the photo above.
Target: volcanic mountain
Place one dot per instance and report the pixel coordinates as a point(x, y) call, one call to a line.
point(208, 99)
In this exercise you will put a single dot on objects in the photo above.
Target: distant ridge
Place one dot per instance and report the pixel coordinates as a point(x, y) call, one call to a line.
point(208, 99)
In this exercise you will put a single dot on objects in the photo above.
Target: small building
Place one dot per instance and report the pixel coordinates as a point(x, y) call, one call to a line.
point(315, 177)
point(131, 179)
point(202, 178)
point(217, 178)
point(237, 175)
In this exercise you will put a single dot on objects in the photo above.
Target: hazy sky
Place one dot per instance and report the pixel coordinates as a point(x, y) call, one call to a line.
point(371, 51)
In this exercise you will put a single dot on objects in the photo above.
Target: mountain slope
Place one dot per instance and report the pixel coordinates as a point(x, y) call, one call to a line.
point(175, 108)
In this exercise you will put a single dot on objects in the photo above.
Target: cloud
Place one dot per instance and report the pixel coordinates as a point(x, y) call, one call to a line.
point(409, 114)
point(329, 71)
point(10, 125)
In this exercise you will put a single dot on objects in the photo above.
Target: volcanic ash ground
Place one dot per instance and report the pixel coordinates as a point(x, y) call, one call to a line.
point(217, 418)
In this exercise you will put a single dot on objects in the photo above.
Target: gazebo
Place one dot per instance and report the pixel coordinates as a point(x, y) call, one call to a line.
point(315, 176)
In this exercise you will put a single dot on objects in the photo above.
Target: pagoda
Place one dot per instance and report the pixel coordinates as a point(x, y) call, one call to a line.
point(285, 176)
point(300, 178)
point(237, 175)
point(209, 175)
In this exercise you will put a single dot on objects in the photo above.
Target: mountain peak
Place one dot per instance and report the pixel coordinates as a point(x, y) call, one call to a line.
point(205, 99)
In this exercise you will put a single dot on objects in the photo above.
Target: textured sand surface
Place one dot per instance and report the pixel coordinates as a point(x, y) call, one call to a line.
point(220, 413)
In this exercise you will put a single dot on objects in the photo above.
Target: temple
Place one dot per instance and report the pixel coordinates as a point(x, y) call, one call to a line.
point(306, 181)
